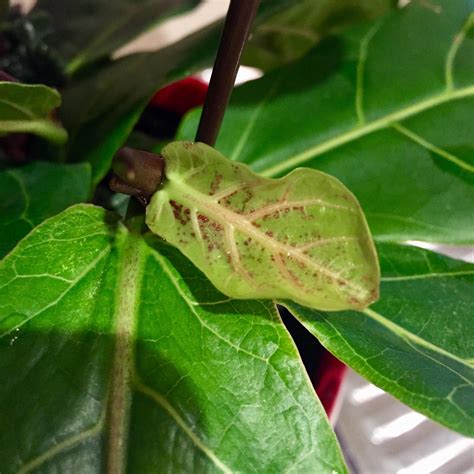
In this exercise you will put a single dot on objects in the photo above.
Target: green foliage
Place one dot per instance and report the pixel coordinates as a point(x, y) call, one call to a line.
point(118, 346)
point(403, 146)
point(289, 34)
point(85, 31)
point(302, 237)
point(101, 109)
point(118, 352)
point(30, 194)
point(27, 108)
point(416, 342)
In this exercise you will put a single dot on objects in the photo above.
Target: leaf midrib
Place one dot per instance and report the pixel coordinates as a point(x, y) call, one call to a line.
point(126, 307)
point(369, 127)
point(229, 219)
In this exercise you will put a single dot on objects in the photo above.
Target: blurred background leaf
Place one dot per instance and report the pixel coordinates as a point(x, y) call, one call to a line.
point(288, 35)
point(87, 30)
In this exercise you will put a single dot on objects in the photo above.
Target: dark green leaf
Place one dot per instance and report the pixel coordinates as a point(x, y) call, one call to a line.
point(416, 342)
point(289, 34)
point(30, 194)
point(118, 355)
point(386, 108)
point(27, 108)
point(100, 110)
point(85, 30)
point(4, 5)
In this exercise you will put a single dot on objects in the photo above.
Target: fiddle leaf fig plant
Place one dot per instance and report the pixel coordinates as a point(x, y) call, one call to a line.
point(149, 339)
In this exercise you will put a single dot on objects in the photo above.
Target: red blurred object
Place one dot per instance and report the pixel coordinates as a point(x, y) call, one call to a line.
point(327, 381)
point(181, 96)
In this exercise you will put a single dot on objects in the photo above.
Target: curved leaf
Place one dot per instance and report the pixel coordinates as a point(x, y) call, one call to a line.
point(100, 110)
point(289, 34)
point(416, 342)
point(386, 108)
point(32, 193)
point(301, 237)
point(86, 30)
point(27, 108)
point(118, 355)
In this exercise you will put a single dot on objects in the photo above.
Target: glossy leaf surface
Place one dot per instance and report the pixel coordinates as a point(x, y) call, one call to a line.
point(301, 237)
point(386, 108)
point(27, 108)
point(32, 193)
point(117, 354)
point(416, 342)
point(289, 34)
point(100, 110)
point(86, 30)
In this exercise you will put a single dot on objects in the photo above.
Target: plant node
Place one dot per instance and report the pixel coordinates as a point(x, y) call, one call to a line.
point(137, 173)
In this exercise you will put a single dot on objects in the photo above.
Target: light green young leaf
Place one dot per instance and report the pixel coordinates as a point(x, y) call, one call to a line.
point(302, 237)
point(26, 108)
point(117, 355)
point(416, 342)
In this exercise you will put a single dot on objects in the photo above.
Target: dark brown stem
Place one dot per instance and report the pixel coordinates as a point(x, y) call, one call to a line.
point(234, 35)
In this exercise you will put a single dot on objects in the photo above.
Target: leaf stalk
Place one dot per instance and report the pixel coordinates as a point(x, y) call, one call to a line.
point(234, 36)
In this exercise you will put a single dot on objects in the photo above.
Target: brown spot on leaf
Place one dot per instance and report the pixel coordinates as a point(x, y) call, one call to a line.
point(215, 183)
point(216, 226)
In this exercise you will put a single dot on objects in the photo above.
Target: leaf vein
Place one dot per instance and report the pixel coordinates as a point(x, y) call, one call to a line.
point(166, 405)
point(413, 338)
point(370, 127)
point(431, 147)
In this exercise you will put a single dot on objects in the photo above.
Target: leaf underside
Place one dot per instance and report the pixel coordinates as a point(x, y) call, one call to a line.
point(302, 237)
point(117, 354)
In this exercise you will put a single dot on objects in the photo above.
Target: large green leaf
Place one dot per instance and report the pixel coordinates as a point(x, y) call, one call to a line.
point(32, 193)
point(386, 108)
point(27, 108)
point(416, 342)
point(289, 34)
point(302, 237)
point(115, 353)
point(85, 30)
